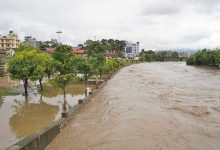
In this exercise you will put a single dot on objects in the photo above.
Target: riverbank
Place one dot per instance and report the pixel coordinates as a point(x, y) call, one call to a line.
point(149, 106)
point(46, 132)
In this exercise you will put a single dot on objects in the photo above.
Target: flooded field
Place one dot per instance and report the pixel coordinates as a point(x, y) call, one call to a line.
point(20, 116)
point(150, 106)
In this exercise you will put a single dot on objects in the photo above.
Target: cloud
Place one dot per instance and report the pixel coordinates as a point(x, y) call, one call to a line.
point(161, 24)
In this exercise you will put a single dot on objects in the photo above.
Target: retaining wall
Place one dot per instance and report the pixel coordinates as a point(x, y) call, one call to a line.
point(40, 139)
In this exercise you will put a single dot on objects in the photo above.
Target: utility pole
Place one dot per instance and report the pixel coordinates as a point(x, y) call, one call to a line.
point(59, 32)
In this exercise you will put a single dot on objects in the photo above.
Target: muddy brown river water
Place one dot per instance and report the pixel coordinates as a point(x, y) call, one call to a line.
point(150, 106)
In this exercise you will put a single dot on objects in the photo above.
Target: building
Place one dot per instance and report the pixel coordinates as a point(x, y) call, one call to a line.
point(9, 42)
point(49, 50)
point(75, 51)
point(28, 40)
point(78, 51)
point(131, 50)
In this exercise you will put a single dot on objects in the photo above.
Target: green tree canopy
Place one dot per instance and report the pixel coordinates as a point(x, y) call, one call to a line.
point(44, 65)
point(22, 66)
point(96, 47)
point(63, 56)
point(23, 47)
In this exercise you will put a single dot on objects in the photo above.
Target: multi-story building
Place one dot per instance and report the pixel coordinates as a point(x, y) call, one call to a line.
point(9, 42)
point(131, 50)
point(28, 40)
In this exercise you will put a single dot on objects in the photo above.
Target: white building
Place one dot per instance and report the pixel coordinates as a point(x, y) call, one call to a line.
point(131, 50)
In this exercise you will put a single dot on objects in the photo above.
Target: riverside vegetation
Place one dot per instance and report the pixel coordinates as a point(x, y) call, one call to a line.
point(205, 57)
point(30, 63)
point(150, 56)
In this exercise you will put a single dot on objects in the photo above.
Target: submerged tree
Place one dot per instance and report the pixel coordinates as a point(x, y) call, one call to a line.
point(84, 67)
point(44, 65)
point(61, 81)
point(63, 55)
point(22, 66)
point(65, 66)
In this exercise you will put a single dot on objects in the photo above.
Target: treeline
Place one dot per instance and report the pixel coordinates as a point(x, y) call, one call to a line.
point(150, 55)
point(205, 57)
point(116, 46)
point(30, 63)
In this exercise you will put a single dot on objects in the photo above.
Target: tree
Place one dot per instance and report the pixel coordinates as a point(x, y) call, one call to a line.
point(97, 61)
point(1, 68)
point(205, 57)
point(62, 56)
point(83, 66)
point(23, 47)
point(50, 66)
point(66, 65)
point(175, 54)
point(61, 81)
point(96, 47)
point(52, 43)
point(43, 66)
point(22, 66)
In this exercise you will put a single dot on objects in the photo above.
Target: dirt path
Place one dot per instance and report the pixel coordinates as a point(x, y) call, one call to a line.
point(152, 106)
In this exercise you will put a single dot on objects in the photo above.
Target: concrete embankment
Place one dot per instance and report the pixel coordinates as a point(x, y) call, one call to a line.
point(40, 139)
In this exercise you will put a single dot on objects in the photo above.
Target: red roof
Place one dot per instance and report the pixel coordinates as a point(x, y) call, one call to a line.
point(50, 51)
point(78, 51)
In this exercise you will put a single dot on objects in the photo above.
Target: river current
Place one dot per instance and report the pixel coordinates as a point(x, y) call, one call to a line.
point(151, 106)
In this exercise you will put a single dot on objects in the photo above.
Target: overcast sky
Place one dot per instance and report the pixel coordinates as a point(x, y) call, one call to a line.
point(157, 24)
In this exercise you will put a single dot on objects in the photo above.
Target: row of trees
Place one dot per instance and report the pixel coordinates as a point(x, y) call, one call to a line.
point(205, 57)
point(31, 64)
point(52, 43)
point(114, 45)
point(150, 55)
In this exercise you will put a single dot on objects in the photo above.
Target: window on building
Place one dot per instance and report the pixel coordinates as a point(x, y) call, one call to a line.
point(129, 49)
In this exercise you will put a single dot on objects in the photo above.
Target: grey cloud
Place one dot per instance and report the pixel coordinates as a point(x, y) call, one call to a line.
point(161, 24)
point(161, 7)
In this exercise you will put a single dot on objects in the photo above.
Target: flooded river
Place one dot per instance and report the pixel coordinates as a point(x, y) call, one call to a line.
point(150, 106)
point(21, 116)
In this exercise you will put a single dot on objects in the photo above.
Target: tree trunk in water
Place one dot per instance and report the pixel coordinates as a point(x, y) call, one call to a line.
point(64, 113)
point(85, 82)
point(64, 94)
point(25, 81)
point(97, 81)
point(26, 102)
point(48, 76)
point(100, 73)
point(41, 86)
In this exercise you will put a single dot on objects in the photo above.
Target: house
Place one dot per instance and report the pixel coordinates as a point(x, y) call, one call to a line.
point(111, 54)
point(48, 50)
point(9, 42)
point(75, 50)
point(78, 51)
